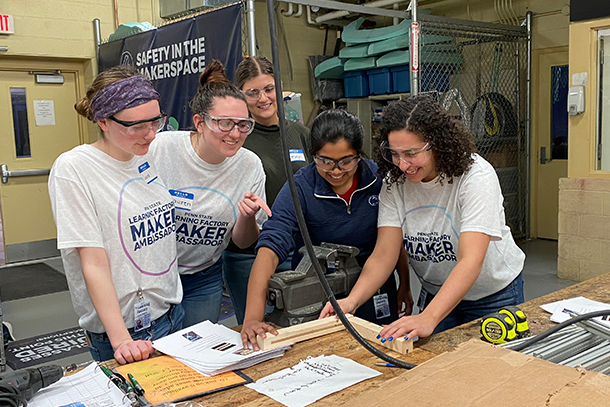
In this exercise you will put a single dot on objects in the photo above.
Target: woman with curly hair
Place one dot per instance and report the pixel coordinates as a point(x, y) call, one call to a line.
point(443, 202)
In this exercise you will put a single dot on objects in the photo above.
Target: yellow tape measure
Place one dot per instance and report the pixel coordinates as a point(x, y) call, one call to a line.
point(505, 325)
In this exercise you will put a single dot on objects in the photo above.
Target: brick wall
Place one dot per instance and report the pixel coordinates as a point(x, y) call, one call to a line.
point(584, 228)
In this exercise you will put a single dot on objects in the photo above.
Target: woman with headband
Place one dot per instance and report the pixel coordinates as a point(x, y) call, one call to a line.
point(218, 188)
point(115, 222)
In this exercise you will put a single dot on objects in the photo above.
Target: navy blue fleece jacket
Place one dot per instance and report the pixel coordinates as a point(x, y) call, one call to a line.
point(329, 218)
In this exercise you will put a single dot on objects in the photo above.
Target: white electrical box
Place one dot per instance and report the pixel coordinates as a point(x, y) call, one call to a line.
point(576, 100)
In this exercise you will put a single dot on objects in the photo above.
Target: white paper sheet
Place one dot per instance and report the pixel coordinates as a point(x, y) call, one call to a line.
point(212, 349)
point(561, 309)
point(90, 386)
point(312, 379)
point(44, 112)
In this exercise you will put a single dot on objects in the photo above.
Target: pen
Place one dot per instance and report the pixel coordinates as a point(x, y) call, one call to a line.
point(385, 364)
point(120, 382)
point(136, 386)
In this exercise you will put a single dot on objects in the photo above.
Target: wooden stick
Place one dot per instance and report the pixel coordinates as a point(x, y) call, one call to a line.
point(302, 332)
point(369, 331)
point(319, 327)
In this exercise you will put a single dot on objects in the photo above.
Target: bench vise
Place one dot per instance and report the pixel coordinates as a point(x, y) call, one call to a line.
point(298, 296)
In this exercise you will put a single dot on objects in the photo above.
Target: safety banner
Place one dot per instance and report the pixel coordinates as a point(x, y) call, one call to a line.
point(173, 56)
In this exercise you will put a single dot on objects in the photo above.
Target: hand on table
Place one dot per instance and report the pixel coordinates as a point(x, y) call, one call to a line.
point(250, 329)
point(409, 326)
point(133, 351)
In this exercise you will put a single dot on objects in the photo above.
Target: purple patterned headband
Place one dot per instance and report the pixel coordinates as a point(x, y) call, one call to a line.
point(120, 95)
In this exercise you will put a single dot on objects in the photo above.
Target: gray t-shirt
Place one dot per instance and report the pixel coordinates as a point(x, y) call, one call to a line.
point(119, 206)
point(206, 196)
point(432, 216)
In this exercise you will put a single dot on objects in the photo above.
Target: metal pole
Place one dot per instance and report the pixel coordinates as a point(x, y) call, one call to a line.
point(250, 21)
point(414, 49)
point(528, 122)
point(98, 40)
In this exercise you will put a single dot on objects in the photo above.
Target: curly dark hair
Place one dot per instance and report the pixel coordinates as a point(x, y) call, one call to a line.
point(451, 141)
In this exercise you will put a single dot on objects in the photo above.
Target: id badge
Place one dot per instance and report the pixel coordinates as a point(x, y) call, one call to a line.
point(183, 200)
point(382, 306)
point(141, 313)
point(147, 173)
point(296, 154)
point(421, 302)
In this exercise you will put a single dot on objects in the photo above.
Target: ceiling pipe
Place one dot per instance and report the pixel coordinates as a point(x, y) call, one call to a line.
point(309, 19)
point(299, 11)
point(289, 12)
point(337, 14)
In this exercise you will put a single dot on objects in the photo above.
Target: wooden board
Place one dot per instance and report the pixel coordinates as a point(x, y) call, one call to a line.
point(320, 327)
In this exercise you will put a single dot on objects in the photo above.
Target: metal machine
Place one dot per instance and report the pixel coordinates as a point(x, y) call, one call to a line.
point(297, 295)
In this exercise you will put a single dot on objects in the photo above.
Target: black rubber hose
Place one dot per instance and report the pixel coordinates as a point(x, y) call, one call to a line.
point(297, 203)
point(558, 327)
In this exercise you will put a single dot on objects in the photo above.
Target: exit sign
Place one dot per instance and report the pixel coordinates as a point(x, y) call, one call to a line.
point(6, 24)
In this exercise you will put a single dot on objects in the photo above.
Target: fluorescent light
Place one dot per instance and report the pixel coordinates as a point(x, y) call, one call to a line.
point(49, 78)
point(3, 48)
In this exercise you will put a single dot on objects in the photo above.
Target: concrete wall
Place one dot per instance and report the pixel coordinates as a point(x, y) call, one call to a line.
point(584, 197)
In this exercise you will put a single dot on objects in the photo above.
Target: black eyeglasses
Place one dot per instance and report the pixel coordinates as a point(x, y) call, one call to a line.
point(345, 165)
point(142, 127)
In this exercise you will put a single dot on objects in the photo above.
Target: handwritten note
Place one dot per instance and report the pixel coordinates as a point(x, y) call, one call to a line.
point(312, 379)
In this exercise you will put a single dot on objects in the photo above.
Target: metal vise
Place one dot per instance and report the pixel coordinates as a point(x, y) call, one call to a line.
point(298, 295)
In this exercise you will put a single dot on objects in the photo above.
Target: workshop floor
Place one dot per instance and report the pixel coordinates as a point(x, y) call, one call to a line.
point(54, 312)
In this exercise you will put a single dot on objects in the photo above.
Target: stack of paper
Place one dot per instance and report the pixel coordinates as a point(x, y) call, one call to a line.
point(561, 310)
point(212, 349)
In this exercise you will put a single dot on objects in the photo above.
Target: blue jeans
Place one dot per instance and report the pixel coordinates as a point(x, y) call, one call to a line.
point(236, 273)
point(467, 311)
point(202, 295)
point(170, 322)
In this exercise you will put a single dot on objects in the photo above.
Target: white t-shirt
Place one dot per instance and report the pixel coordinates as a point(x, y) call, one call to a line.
point(432, 216)
point(98, 201)
point(206, 196)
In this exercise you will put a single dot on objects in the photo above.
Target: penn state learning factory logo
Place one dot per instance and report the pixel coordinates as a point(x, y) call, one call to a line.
point(127, 59)
point(374, 200)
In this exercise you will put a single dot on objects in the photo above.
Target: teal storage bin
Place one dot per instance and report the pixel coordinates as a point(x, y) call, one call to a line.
point(355, 84)
point(380, 81)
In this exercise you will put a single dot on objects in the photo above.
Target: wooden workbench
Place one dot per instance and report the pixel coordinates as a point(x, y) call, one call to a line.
point(342, 344)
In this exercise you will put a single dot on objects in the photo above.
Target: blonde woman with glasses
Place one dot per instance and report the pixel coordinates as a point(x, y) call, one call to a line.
point(443, 203)
point(218, 188)
point(115, 223)
point(339, 194)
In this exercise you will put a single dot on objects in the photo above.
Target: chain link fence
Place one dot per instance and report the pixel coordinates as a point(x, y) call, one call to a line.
point(478, 72)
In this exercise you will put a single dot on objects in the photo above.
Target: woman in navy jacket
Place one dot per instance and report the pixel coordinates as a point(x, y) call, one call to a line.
point(339, 194)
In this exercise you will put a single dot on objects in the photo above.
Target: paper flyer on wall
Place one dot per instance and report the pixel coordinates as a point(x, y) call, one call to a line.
point(212, 349)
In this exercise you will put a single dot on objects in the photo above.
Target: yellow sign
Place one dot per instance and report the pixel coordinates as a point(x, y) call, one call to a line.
point(165, 379)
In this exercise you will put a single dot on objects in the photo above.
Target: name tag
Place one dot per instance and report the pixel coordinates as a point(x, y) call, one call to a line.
point(147, 173)
point(297, 155)
point(183, 200)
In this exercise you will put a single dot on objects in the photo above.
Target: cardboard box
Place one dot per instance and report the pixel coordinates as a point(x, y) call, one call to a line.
point(479, 374)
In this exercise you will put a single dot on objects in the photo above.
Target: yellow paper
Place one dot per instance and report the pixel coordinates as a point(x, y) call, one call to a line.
point(165, 379)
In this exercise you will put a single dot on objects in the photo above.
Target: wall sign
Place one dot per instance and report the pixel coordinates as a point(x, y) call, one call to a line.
point(7, 26)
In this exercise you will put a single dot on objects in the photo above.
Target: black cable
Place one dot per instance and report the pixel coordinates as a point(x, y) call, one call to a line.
point(556, 328)
point(10, 397)
point(297, 203)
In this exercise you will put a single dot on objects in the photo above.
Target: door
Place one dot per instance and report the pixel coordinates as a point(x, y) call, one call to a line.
point(552, 138)
point(38, 124)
